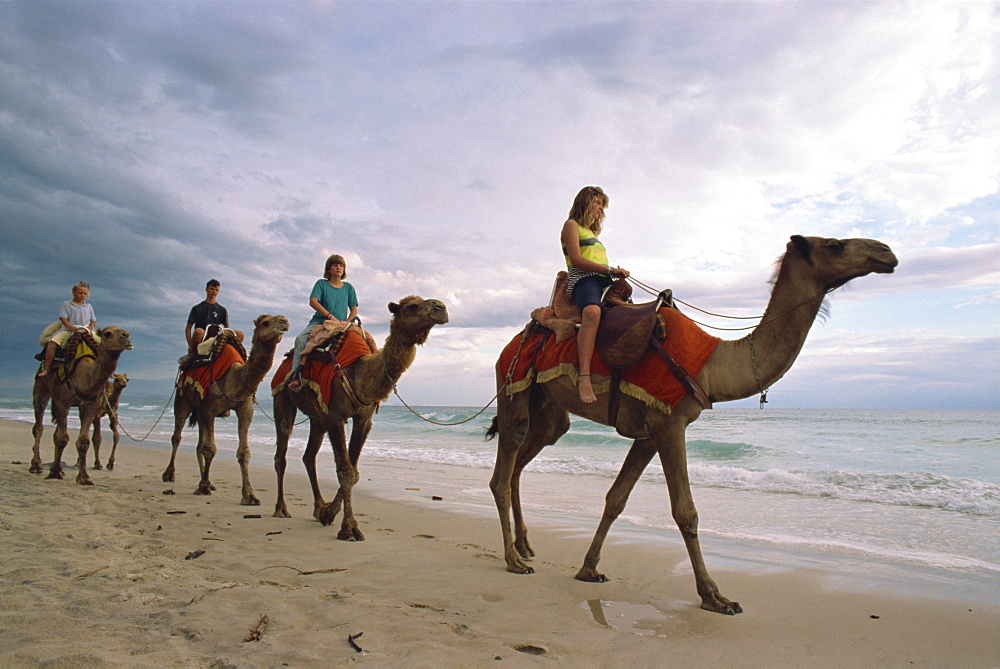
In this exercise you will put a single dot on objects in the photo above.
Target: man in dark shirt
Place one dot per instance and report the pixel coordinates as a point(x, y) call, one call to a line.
point(205, 314)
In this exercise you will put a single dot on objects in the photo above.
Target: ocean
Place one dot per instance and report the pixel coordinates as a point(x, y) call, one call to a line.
point(867, 497)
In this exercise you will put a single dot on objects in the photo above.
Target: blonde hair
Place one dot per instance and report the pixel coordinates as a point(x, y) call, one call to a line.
point(581, 211)
point(334, 260)
point(81, 284)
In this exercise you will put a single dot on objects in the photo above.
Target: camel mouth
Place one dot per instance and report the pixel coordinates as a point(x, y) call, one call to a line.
point(883, 267)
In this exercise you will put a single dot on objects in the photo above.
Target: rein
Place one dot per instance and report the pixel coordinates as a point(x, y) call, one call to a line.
point(753, 350)
point(818, 298)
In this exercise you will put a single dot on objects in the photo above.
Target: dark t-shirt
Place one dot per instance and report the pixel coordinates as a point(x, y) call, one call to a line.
point(205, 314)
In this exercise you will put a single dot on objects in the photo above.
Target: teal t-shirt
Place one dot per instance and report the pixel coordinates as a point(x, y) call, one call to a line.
point(338, 301)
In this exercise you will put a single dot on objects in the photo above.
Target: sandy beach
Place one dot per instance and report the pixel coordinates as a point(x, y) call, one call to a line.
point(107, 576)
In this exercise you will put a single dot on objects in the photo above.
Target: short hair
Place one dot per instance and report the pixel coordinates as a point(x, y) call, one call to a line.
point(81, 284)
point(212, 282)
point(334, 260)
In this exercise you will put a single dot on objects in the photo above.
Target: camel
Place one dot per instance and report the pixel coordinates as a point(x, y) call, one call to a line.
point(109, 407)
point(83, 388)
point(233, 391)
point(810, 267)
point(370, 379)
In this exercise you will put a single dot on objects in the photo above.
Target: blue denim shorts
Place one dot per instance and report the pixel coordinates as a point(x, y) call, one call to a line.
point(589, 290)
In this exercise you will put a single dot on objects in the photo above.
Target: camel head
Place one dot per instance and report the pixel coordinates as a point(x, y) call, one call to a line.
point(118, 382)
point(269, 328)
point(114, 340)
point(414, 317)
point(834, 262)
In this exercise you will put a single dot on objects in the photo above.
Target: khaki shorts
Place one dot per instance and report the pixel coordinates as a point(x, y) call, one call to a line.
point(61, 337)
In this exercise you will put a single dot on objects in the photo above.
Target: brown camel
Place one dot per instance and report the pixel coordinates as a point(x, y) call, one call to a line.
point(233, 391)
point(810, 268)
point(84, 389)
point(109, 407)
point(370, 378)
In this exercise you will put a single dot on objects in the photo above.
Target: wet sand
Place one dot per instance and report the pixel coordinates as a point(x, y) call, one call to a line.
point(99, 576)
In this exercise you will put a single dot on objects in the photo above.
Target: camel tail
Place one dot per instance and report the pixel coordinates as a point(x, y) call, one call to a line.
point(192, 419)
point(493, 429)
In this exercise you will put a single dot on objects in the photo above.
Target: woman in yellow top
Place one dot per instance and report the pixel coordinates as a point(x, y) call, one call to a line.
point(589, 274)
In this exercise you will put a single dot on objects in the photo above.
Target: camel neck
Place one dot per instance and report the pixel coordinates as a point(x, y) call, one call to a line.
point(744, 367)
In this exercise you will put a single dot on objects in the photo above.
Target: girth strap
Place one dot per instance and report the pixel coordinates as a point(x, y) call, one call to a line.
point(682, 375)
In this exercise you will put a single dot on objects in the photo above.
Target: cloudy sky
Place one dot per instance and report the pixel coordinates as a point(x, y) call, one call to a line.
point(149, 146)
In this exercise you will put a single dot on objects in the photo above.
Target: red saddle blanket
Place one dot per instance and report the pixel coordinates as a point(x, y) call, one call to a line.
point(319, 375)
point(650, 380)
point(200, 378)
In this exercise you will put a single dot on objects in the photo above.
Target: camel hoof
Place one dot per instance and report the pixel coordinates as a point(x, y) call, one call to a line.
point(203, 490)
point(520, 569)
point(327, 515)
point(350, 535)
point(97, 465)
point(55, 475)
point(250, 501)
point(281, 513)
point(524, 550)
point(168, 476)
point(85, 481)
point(34, 469)
point(111, 467)
point(590, 576)
point(719, 604)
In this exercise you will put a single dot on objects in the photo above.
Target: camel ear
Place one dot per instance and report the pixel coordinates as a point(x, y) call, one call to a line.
point(802, 245)
point(393, 308)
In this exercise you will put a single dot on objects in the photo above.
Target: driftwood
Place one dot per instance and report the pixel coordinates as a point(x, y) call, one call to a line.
point(355, 646)
point(303, 573)
point(92, 572)
point(225, 587)
point(257, 631)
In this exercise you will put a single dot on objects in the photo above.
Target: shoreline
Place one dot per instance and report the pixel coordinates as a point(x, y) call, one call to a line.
point(98, 576)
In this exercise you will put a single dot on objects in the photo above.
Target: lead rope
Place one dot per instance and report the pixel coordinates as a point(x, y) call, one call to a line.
point(507, 381)
point(160, 417)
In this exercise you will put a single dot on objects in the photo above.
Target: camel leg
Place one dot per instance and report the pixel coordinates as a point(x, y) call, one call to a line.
point(284, 420)
point(614, 503)
point(206, 453)
point(500, 485)
point(86, 412)
point(97, 441)
point(244, 417)
point(60, 438)
point(113, 422)
point(39, 400)
point(673, 457)
point(361, 425)
point(313, 445)
point(182, 409)
point(347, 476)
point(547, 425)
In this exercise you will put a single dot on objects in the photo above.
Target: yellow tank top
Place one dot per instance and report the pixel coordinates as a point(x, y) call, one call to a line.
point(591, 248)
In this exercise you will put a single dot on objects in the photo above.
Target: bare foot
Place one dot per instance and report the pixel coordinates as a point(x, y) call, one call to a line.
point(586, 389)
point(42, 373)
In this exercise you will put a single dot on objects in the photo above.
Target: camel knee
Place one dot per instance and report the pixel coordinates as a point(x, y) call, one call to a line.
point(613, 506)
point(687, 522)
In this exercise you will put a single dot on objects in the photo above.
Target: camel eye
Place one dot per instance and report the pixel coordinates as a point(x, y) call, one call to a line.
point(838, 247)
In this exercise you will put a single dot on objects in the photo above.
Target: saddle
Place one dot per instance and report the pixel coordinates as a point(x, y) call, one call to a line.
point(216, 339)
point(67, 353)
point(627, 331)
